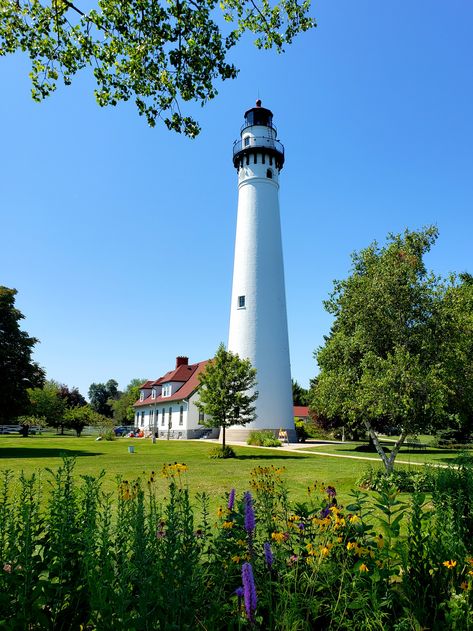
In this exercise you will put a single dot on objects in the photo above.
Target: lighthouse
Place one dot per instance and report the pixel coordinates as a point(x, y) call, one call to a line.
point(258, 318)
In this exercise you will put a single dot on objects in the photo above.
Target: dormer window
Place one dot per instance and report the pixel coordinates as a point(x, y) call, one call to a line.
point(142, 395)
point(167, 390)
point(153, 393)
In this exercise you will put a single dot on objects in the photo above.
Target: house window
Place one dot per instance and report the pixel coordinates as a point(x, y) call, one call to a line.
point(153, 393)
point(167, 390)
point(162, 416)
point(201, 416)
point(241, 302)
point(247, 158)
point(142, 395)
point(264, 158)
point(181, 415)
point(256, 158)
point(142, 419)
point(170, 417)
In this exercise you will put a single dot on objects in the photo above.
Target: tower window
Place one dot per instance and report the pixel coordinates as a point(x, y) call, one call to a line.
point(241, 302)
point(247, 141)
point(269, 174)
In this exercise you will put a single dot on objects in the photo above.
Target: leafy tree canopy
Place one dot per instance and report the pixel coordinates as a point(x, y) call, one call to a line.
point(100, 395)
point(158, 53)
point(381, 365)
point(47, 402)
point(123, 410)
point(227, 391)
point(300, 396)
point(78, 417)
point(18, 371)
point(72, 396)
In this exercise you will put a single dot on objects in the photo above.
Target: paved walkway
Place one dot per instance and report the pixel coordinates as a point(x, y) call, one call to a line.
point(300, 449)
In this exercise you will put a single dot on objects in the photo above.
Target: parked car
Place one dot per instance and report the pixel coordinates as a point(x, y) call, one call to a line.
point(123, 430)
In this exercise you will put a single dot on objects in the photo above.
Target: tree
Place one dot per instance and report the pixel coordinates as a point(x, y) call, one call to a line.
point(100, 395)
point(72, 396)
point(123, 410)
point(159, 53)
point(300, 396)
point(46, 402)
point(227, 391)
point(18, 371)
point(380, 364)
point(77, 418)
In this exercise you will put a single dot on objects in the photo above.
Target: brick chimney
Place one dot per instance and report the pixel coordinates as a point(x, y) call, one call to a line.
point(182, 361)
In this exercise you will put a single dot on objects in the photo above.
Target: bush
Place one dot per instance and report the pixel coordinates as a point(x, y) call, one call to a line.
point(263, 438)
point(301, 431)
point(402, 479)
point(222, 452)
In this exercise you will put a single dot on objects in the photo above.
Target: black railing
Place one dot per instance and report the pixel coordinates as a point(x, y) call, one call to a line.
point(260, 142)
point(270, 126)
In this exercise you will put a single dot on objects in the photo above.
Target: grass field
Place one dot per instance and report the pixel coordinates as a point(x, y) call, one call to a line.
point(216, 477)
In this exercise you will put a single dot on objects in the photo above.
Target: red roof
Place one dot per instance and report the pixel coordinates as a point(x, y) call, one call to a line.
point(188, 374)
point(301, 410)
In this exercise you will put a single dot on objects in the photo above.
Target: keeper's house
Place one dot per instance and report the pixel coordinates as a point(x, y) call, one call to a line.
point(167, 406)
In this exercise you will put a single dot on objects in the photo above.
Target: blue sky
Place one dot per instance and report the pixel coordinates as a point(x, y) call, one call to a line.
point(119, 238)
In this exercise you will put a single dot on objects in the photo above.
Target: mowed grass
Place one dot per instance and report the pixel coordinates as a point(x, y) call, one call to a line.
point(214, 476)
point(411, 455)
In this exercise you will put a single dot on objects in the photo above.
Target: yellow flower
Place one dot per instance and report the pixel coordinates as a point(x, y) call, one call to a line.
point(219, 511)
point(354, 519)
point(351, 545)
point(241, 543)
point(363, 568)
point(470, 572)
point(449, 564)
point(325, 551)
point(380, 541)
point(464, 585)
point(227, 525)
point(236, 559)
point(310, 549)
point(278, 537)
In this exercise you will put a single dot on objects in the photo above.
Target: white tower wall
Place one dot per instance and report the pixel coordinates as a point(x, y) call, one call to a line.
point(258, 330)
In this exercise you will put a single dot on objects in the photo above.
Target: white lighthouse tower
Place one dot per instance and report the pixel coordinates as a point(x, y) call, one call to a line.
point(258, 319)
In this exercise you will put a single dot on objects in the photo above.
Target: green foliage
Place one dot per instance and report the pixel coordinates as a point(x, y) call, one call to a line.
point(164, 564)
point(263, 438)
point(222, 452)
point(227, 391)
point(123, 410)
point(301, 430)
point(380, 365)
point(79, 417)
point(48, 403)
point(100, 396)
point(18, 371)
point(300, 395)
point(158, 53)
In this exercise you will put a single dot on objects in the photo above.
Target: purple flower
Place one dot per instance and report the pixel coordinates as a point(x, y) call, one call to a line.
point(301, 526)
point(331, 492)
point(231, 499)
point(249, 590)
point(250, 522)
point(239, 592)
point(325, 512)
point(268, 554)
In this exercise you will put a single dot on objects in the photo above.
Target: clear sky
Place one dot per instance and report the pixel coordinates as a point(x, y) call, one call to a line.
point(119, 238)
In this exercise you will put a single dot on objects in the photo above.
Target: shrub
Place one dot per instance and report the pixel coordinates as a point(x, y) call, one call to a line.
point(301, 431)
point(222, 452)
point(402, 479)
point(263, 438)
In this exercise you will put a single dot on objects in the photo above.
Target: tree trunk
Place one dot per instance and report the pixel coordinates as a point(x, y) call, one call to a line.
point(223, 437)
point(388, 462)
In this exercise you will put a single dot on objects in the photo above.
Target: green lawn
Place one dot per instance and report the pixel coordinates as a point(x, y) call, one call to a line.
point(406, 454)
point(205, 474)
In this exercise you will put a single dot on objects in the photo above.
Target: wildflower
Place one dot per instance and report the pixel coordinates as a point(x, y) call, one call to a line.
point(325, 551)
point(325, 512)
point(464, 585)
point(227, 525)
point(236, 559)
point(449, 564)
point(231, 499)
point(293, 559)
point(301, 526)
point(380, 541)
point(239, 592)
point(278, 537)
point(354, 519)
point(7, 568)
point(219, 511)
point(363, 568)
point(160, 534)
point(249, 590)
point(250, 522)
point(470, 573)
point(310, 549)
point(351, 545)
point(268, 554)
point(331, 492)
